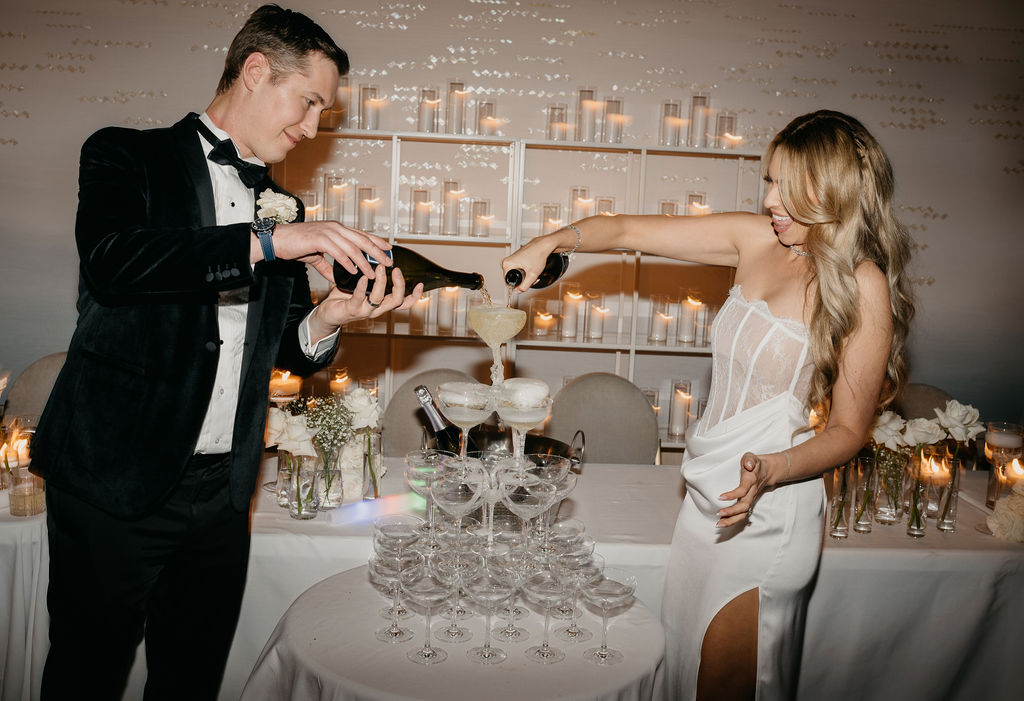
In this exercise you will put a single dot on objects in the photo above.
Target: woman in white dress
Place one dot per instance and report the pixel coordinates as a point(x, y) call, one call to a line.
point(806, 350)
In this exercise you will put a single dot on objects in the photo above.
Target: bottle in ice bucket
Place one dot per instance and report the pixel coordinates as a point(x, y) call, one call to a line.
point(416, 269)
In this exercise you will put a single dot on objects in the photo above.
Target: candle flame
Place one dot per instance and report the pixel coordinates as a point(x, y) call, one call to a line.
point(423, 300)
point(693, 301)
point(574, 294)
point(371, 202)
point(666, 317)
point(1016, 468)
point(734, 138)
point(339, 186)
point(452, 290)
point(545, 316)
point(601, 310)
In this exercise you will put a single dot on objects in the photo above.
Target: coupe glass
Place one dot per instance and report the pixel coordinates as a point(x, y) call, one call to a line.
point(489, 590)
point(561, 536)
point(548, 467)
point(522, 419)
point(387, 571)
point(453, 568)
point(427, 591)
point(465, 404)
point(546, 590)
point(424, 468)
point(391, 535)
point(521, 564)
point(576, 568)
point(612, 590)
point(525, 496)
point(494, 466)
point(459, 493)
point(563, 488)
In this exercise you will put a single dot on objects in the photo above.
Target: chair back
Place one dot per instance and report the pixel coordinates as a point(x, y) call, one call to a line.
point(29, 392)
point(403, 421)
point(617, 419)
point(919, 401)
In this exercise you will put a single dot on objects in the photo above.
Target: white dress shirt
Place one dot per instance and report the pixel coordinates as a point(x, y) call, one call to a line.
point(235, 204)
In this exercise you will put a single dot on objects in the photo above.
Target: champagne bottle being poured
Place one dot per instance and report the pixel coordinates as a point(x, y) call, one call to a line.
point(554, 267)
point(416, 268)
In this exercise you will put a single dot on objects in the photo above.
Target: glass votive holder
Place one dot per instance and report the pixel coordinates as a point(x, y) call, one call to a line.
point(480, 216)
point(668, 208)
point(369, 108)
point(671, 123)
point(604, 206)
point(697, 131)
point(426, 114)
point(1003, 441)
point(340, 381)
point(335, 189)
point(661, 319)
point(370, 384)
point(311, 204)
point(573, 310)
point(558, 126)
point(419, 313)
point(864, 494)
point(550, 217)
point(614, 121)
point(447, 305)
point(366, 208)
point(597, 316)
point(581, 204)
point(839, 505)
point(27, 492)
point(690, 309)
point(696, 204)
point(455, 112)
point(338, 116)
point(725, 131)
point(487, 122)
point(544, 319)
point(679, 409)
point(949, 496)
point(450, 207)
point(651, 395)
point(705, 322)
point(1002, 479)
point(916, 497)
point(420, 209)
point(586, 114)
point(303, 497)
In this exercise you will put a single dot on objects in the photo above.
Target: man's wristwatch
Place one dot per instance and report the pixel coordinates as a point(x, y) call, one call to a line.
point(264, 230)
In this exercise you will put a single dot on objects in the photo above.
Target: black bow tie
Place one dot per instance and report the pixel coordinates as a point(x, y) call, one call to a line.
point(225, 153)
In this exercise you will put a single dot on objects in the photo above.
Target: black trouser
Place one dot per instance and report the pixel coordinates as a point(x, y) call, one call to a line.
point(175, 576)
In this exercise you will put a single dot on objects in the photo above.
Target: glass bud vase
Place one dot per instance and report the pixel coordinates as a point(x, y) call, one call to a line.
point(864, 493)
point(916, 497)
point(889, 471)
point(839, 511)
point(949, 496)
point(373, 464)
point(303, 497)
point(329, 480)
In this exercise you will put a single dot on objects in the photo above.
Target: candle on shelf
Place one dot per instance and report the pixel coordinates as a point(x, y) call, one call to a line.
point(455, 114)
point(689, 308)
point(661, 318)
point(550, 218)
point(447, 300)
point(671, 122)
point(572, 298)
point(679, 410)
point(543, 321)
point(338, 116)
point(310, 204)
point(696, 204)
point(340, 381)
point(558, 128)
point(596, 314)
point(450, 208)
point(725, 131)
point(697, 134)
point(614, 120)
point(369, 384)
point(284, 384)
point(605, 206)
point(334, 198)
point(586, 114)
point(581, 205)
point(369, 108)
point(668, 208)
point(366, 209)
point(426, 118)
point(486, 123)
point(418, 314)
point(421, 206)
point(480, 213)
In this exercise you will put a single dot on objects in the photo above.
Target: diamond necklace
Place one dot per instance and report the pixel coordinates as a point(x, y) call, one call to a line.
point(798, 251)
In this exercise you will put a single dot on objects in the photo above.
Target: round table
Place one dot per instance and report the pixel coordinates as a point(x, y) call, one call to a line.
point(324, 648)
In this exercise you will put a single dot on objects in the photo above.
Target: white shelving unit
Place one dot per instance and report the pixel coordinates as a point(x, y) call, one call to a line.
point(520, 175)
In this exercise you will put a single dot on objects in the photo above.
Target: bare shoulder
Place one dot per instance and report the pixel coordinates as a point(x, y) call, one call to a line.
point(873, 288)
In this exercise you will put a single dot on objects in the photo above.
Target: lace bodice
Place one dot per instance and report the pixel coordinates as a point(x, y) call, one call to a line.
point(755, 356)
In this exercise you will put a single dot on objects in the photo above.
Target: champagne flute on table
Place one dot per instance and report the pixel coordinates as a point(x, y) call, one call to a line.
point(614, 589)
point(489, 589)
point(465, 404)
point(563, 488)
point(427, 591)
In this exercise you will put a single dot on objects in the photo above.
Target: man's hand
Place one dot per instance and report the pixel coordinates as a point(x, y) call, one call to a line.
point(340, 307)
point(310, 241)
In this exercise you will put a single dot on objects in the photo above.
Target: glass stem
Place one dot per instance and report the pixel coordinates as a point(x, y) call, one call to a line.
point(547, 626)
point(518, 444)
point(426, 637)
point(604, 630)
point(463, 445)
point(394, 607)
point(487, 630)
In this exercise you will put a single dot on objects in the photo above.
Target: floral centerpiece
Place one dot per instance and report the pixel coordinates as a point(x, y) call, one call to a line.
point(365, 415)
point(890, 453)
point(960, 423)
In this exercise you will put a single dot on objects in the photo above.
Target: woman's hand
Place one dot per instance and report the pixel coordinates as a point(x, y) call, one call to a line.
point(753, 480)
point(531, 259)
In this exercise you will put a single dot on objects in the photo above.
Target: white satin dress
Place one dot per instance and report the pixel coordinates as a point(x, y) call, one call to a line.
point(761, 369)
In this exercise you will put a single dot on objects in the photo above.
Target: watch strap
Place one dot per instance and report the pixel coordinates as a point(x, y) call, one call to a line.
point(264, 230)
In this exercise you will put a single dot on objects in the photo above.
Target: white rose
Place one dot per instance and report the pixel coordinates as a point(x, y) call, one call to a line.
point(887, 431)
point(364, 408)
point(351, 458)
point(296, 438)
point(960, 421)
point(277, 206)
point(275, 426)
point(923, 432)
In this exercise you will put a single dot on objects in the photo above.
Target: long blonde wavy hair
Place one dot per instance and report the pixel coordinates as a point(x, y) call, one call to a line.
point(836, 179)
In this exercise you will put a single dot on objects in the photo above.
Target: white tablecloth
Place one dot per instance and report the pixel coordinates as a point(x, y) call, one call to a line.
point(890, 617)
point(324, 650)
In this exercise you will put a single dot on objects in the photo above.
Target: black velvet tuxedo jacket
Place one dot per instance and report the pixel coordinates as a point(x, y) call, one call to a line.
point(126, 410)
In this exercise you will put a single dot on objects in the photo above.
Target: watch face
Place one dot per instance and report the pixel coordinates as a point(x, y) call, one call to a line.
point(266, 225)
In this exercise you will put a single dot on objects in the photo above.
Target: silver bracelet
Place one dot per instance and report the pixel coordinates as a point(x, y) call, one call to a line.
point(579, 240)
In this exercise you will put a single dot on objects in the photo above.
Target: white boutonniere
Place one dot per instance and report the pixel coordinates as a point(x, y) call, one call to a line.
point(277, 206)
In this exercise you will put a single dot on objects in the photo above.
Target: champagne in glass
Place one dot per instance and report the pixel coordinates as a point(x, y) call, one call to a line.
point(495, 325)
point(465, 404)
point(523, 404)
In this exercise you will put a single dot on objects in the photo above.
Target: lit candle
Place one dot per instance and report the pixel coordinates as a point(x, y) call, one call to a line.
point(456, 112)
point(551, 218)
point(543, 321)
point(421, 206)
point(581, 205)
point(696, 204)
point(725, 130)
point(697, 137)
point(586, 115)
point(418, 315)
point(671, 123)
point(606, 206)
point(571, 301)
point(659, 326)
point(334, 198)
point(450, 209)
point(1014, 472)
point(340, 381)
point(369, 107)
point(614, 120)
point(367, 209)
point(595, 319)
point(427, 117)
point(446, 303)
point(486, 122)
point(679, 410)
point(480, 211)
point(284, 384)
point(558, 129)
point(688, 311)
point(668, 208)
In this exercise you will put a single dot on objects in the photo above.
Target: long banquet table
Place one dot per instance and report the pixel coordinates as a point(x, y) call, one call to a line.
point(889, 617)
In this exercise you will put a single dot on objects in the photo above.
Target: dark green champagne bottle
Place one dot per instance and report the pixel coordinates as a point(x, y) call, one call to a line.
point(416, 269)
point(554, 268)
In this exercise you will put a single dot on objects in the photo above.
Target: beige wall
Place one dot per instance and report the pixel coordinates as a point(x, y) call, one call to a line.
point(940, 83)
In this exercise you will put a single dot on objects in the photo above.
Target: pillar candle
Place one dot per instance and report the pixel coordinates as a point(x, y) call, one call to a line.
point(446, 303)
point(421, 206)
point(558, 129)
point(571, 299)
point(455, 117)
point(679, 410)
point(580, 203)
point(450, 208)
point(596, 313)
point(688, 310)
point(671, 123)
point(283, 383)
point(427, 115)
point(366, 207)
point(697, 137)
point(418, 314)
point(340, 381)
point(586, 114)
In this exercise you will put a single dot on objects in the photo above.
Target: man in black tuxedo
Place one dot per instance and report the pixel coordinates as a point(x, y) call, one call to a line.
point(151, 440)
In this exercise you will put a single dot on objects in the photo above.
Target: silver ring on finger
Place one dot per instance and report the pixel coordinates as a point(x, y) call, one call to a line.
point(372, 303)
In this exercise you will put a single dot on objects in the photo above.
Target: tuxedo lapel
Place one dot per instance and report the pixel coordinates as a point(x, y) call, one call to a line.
point(196, 170)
